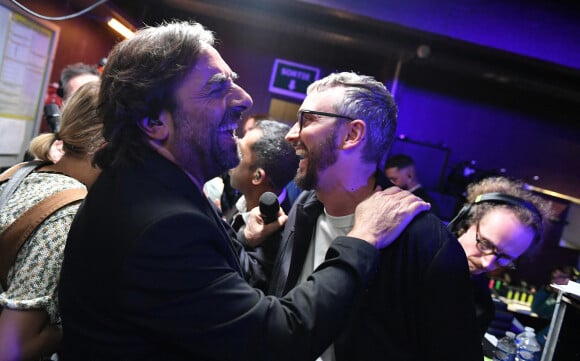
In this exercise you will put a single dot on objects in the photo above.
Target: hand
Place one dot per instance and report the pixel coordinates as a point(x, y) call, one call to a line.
point(383, 216)
point(256, 231)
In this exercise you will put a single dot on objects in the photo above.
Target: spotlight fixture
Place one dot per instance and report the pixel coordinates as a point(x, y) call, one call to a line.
point(120, 28)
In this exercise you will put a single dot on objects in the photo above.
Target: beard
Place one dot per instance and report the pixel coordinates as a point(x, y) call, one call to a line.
point(318, 160)
point(201, 146)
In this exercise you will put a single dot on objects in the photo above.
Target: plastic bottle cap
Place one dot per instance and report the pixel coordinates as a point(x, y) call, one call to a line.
point(530, 329)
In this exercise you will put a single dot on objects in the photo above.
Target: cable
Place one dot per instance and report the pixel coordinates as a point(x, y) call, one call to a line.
point(59, 18)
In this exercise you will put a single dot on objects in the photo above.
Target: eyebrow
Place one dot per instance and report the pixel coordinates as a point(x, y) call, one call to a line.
point(221, 77)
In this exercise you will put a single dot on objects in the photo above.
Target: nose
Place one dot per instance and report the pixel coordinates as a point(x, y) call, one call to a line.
point(240, 98)
point(293, 133)
point(488, 262)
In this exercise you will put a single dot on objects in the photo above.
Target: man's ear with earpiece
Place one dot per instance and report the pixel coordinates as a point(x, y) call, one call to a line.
point(154, 122)
point(259, 175)
point(156, 128)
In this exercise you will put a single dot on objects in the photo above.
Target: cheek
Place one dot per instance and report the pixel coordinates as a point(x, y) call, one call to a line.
point(520, 248)
point(468, 247)
point(240, 173)
point(233, 174)
point(306, 138)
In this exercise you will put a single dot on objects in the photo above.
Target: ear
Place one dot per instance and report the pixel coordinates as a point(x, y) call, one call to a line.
point(259, 176)
point(355, 133)
point(411, 172)
point(157, 129)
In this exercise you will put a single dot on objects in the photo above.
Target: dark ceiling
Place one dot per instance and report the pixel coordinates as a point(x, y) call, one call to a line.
point(370, 36)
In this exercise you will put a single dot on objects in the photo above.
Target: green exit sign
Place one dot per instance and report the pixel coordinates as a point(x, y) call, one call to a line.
point(292, 79)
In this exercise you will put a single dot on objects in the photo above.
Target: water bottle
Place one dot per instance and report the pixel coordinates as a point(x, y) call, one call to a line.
point(528, 346)
point(506, 349)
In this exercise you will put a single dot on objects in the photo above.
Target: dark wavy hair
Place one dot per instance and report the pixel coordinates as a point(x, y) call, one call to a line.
point(140, 80)
point(274, 154)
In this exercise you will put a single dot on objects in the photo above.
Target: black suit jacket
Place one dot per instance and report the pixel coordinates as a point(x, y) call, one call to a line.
point(424, 195)
point(149, 273)
point(418, 307)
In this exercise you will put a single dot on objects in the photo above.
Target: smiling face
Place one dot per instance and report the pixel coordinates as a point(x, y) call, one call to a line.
point(209, 106)
point(501, 228)
point(316, 142)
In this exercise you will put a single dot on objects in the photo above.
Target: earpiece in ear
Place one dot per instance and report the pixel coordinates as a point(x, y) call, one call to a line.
point(154, 122)
point(257, 176)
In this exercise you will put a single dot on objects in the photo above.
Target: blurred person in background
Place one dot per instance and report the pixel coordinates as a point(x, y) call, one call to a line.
point(29, 319)
point(267, 164)
point(72, 77)
point(402, 172)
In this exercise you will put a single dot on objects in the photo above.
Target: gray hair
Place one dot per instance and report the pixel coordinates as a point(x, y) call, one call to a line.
point(369, 100)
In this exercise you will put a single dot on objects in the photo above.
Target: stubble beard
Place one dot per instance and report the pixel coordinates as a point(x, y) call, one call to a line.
point(202, 148)
point(318, 160)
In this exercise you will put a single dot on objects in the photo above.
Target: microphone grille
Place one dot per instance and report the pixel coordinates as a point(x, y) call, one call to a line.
point(269, 203)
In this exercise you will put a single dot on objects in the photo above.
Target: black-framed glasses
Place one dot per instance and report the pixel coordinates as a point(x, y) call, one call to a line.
point(488, 248)
point(324, 114)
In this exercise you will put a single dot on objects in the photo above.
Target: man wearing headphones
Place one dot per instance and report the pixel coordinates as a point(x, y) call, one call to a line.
point(75, 75)
point(498, 224)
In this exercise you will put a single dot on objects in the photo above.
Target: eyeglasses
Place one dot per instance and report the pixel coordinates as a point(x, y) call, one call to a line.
point(488, 248)
point(324, 114)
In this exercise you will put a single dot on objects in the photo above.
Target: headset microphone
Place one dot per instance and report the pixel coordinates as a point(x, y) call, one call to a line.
point(269, 207)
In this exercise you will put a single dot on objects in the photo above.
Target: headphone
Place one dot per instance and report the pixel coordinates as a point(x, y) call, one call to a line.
point(60, 90)
point(497, 198)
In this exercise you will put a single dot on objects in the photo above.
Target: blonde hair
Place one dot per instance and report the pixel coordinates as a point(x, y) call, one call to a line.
point(39, 147)
point(80, 127)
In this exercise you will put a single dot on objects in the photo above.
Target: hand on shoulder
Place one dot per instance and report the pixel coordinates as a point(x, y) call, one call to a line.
point(383, 216)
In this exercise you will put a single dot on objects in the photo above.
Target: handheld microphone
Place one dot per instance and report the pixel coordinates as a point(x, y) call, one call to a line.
point(269, 207)
point(52, 115)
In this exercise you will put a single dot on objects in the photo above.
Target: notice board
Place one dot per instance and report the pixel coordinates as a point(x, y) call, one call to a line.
point(27, 47)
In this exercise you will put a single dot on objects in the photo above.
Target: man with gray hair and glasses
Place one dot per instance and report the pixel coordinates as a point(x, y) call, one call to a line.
point(419, 305)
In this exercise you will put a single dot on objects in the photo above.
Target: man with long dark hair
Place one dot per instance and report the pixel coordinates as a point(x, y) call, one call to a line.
point(150, 271)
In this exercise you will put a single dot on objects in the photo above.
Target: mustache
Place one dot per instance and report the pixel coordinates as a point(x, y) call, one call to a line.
point(233, 113)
